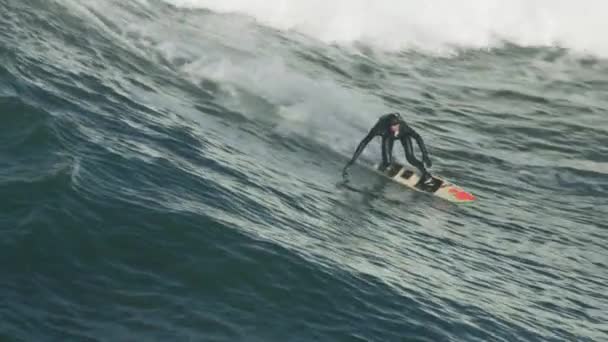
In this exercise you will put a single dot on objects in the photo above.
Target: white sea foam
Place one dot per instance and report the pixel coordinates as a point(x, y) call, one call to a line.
point(432, 24)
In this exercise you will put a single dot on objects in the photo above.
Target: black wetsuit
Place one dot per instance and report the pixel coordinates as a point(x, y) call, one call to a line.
point(405, 134)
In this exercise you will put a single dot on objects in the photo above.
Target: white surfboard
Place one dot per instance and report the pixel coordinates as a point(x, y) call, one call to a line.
point(438, 187)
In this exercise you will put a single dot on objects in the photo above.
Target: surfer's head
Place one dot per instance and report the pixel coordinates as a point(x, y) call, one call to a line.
point(394, 121)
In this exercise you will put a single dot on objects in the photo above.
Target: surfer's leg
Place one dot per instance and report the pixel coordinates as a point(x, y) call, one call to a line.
point(387, 152)
point(409, 155)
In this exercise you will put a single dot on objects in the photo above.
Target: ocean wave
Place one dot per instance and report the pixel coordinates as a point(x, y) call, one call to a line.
point(436, 26)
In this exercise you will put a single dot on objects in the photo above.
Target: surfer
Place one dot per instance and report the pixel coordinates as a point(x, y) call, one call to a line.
point(391, 127)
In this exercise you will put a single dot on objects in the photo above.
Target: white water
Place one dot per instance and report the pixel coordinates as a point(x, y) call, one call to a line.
point(433, 25)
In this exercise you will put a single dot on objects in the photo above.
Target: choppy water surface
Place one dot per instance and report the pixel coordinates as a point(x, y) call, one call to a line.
point(171, 171)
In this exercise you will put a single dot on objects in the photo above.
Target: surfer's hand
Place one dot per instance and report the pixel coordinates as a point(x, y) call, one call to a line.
point(345, 172)
point(428, 162)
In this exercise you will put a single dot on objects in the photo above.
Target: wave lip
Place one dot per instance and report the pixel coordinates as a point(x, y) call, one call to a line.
point(436, 25)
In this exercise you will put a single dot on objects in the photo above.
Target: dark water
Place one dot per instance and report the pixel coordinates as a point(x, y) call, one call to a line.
point(173, 174)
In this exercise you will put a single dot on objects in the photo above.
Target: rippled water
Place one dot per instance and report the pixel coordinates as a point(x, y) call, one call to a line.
point(171, 173)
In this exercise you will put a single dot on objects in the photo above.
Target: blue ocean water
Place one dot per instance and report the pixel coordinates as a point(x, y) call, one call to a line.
point(171, 171)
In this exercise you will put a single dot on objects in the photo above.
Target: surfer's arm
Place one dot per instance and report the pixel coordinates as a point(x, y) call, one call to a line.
point(361, 147)
point(372, 133)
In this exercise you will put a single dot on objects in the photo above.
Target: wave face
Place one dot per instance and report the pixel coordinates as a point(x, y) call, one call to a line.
point(171, 171)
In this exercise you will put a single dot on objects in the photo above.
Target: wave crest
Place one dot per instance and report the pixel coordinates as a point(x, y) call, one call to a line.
point(434, 24)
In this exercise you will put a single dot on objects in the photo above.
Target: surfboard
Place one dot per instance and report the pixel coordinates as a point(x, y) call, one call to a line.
point(438, 187)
